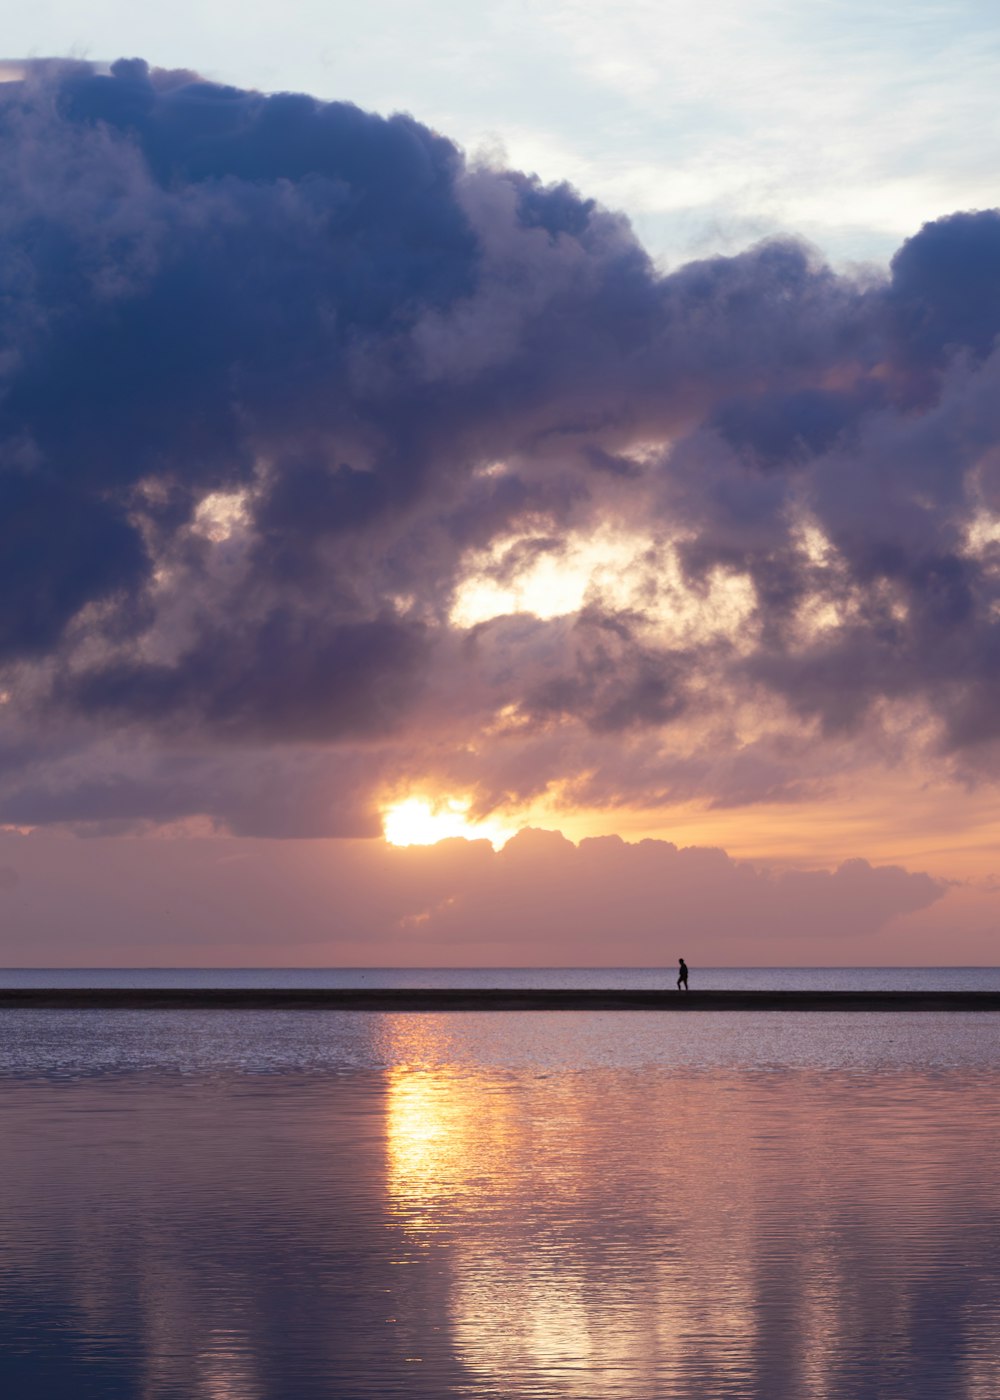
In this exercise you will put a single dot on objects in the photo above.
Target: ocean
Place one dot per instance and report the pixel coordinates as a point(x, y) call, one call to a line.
point(260, 1205)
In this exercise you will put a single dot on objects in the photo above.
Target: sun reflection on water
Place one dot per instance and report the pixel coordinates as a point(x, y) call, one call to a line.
point(439, 1219)
point(572, 1254)
point(545, 1255)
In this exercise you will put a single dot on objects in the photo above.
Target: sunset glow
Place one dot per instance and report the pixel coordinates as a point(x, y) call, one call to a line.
point(480, 520)
point(417, 821)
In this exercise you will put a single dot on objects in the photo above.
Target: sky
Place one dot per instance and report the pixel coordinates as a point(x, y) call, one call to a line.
point(569, 437)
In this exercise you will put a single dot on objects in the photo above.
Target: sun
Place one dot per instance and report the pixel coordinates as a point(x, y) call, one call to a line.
point(418, 821)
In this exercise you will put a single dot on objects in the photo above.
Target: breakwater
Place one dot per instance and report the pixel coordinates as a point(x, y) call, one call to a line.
point(446, 999)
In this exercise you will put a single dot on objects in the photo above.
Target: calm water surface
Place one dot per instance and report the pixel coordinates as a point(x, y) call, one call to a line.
point(281, 1206)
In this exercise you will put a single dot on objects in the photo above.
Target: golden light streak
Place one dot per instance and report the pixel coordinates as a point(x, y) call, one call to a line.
point(445, 1138)
point(519, 1300)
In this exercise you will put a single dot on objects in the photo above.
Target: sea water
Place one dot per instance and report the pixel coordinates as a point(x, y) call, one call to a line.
point(287, 1205)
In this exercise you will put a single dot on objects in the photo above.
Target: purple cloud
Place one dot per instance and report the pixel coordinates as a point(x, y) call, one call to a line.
point(273, 371)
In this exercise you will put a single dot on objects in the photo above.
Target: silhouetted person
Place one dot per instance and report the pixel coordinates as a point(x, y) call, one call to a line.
point(682, 974)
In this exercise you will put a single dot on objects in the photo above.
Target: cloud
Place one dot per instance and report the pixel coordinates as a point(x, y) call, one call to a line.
point(945, 289)
point(539, 901)
point(643, 899)
point(278, 374)
point(248, 793)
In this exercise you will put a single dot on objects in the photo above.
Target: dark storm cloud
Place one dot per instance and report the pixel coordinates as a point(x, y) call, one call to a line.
point(377, 358)
point(945, 289)
point(613, 681)
point(188, 268)
point(244, 792)
point(779, 429)
point(285, 676)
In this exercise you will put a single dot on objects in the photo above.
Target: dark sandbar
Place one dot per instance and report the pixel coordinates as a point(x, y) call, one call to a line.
point(483, 999)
